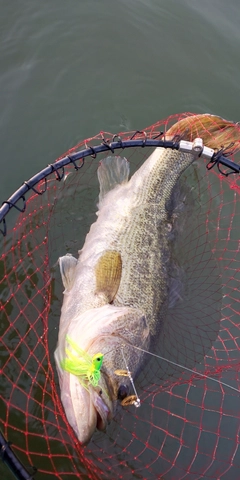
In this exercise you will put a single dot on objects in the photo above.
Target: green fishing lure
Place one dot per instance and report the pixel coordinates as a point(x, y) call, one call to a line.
point(80, 363)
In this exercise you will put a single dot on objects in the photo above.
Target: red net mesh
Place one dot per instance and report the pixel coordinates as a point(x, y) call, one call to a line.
point(187, 426)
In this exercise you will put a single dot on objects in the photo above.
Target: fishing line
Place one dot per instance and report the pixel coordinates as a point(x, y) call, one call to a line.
point(181, 366)
point(173, 363)
point(137, 402)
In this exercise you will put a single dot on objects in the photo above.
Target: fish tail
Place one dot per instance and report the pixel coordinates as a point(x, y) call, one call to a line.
point(215, 132)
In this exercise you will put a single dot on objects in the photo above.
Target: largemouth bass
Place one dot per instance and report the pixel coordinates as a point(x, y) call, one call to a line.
point(117, 291)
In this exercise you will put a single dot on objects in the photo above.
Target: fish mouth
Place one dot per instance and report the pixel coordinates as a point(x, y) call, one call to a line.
point(85, 409)
point(101, 423)
point(103, 415)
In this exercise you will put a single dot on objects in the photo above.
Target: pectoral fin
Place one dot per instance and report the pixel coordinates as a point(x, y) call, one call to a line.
point(67, 269)
point(108, 274)
point(112, 171)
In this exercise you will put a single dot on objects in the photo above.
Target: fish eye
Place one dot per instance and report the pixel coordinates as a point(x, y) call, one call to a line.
point(123, 392)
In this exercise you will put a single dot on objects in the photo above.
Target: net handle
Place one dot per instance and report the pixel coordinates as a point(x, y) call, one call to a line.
point(12, 462)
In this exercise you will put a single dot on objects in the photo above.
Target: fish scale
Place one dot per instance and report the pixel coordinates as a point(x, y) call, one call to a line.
point(144, 243)
point(139, 231)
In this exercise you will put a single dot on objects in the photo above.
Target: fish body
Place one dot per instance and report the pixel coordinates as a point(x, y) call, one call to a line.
point(117, 291)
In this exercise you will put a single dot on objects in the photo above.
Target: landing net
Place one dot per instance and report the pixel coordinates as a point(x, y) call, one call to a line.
point(187, 426)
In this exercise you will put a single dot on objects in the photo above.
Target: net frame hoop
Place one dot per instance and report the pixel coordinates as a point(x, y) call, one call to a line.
point(217, 158)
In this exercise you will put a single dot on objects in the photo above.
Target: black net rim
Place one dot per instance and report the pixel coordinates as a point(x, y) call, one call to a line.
point(218, 158)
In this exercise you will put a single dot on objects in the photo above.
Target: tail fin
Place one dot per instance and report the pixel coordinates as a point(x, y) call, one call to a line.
point(215, 132)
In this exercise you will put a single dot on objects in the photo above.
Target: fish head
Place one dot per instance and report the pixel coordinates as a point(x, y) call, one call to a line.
point(123, 349)
point(113, 331)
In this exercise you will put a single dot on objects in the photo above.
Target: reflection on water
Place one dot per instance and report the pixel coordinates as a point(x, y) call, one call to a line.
point(63, 80)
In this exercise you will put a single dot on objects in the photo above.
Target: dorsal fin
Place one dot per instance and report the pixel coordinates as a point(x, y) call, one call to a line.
point(112, 171)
